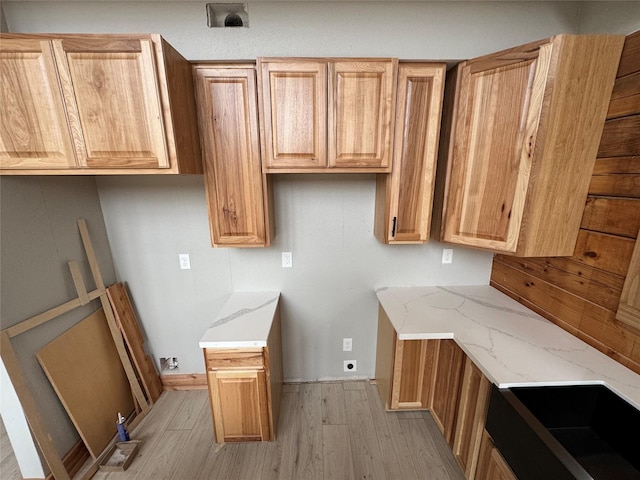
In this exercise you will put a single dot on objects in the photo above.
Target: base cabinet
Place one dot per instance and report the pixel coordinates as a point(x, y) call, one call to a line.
point(446, 387)
point(470, 419)
point(245, 388)
point(491, 465)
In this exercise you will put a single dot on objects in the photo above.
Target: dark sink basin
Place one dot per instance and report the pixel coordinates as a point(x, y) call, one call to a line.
point(568, 432)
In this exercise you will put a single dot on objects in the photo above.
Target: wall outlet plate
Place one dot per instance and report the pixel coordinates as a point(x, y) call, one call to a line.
point(447, 255)
point(287, 260)
point(185, 261)
point(347, 344)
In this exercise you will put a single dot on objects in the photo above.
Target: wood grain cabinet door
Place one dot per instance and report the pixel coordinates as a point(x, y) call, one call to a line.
point(239, 402)
point(361, 112)
point(234, 183)
point(404, 197)
point(446, 387)
point(293, 113)
point(33, 127)
point(498, 107)
point(491, 464)
point(113, 102)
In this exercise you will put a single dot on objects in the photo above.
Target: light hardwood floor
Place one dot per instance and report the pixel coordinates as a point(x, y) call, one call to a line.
point(327, 431)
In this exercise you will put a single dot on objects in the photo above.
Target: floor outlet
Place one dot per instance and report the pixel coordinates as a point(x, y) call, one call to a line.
point(350, 366)
point(347, 344)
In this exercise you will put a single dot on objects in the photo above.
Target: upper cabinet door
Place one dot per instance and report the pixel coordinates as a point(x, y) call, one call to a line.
point(33, 125)
point(293, 113)
point(522, 141)
point(113, 102)
point(235, 185)
point(498, 111)
point(361, 112)
point(404, 197)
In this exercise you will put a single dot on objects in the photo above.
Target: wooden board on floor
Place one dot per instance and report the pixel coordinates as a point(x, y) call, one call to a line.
point(130, 328)
point(83, 367)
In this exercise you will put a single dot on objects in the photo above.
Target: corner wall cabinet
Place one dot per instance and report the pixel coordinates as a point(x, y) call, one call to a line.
point(95, 104)
point(521, 141)
point(245, 382)
point(326, 114)
point(235, 186)
point(404, 197)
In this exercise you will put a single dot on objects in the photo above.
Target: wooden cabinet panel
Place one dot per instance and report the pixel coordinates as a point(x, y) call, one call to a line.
point(404, 197)
point(491, 465)
point(404, 368)
point(325, 114)
point(470, 419)
point(361, 112)
point(629, 307)
point(446, 387)
point(240, 411)
point(293, 112)
point(113, 102)
point(523, 143)
point(235, 186)
point(96, 104)
point(32, 134)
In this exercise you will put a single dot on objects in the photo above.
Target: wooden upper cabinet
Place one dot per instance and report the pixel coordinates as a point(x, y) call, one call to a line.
point(293, 113)
point(361, 112)
point(113, 102)
point(521, 140)
point(320, 115)
point(404, 197)
point(32, 134)
point(97, 104)
point(234, 183)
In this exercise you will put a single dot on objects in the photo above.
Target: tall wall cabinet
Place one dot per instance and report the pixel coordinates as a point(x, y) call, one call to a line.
point(94, 104)
point(520, 143)
point(235, 186)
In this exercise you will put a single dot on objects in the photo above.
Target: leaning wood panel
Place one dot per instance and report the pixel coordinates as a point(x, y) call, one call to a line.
point(615, 216)
point(385, 358)
point(82, 365)
point(130, 327)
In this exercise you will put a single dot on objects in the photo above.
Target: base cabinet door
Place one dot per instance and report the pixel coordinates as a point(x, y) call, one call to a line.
point(239, 402)
point(491, 464)
point(470, 419)
point(446, 387)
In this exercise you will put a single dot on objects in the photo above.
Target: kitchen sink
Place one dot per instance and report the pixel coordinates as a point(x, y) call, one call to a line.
point(566, 432)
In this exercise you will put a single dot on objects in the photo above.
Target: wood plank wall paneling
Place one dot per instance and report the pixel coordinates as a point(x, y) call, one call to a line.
point(581, 293)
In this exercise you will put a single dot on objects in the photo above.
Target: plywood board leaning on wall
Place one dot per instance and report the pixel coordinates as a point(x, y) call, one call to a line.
point(83, 367)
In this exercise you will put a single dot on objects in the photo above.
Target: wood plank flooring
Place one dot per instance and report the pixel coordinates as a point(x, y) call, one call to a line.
point(327, 431)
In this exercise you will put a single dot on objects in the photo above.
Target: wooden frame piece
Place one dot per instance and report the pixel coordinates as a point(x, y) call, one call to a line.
point(10, 360)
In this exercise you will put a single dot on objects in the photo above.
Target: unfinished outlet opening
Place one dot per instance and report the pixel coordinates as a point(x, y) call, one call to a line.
point(168, 363)
point(220, 15)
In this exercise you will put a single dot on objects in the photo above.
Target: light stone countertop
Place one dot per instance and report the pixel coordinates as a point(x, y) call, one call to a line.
point(512, 345)
point(244, 321)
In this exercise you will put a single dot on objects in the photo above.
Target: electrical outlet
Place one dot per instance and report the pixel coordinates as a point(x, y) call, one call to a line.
point(287, 260)
point(347, 344)
point(185, 261)
point(350, 365)
point(447, 255)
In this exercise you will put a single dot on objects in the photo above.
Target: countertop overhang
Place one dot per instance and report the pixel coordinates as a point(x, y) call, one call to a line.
point(512, 345)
